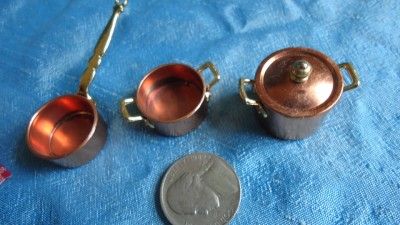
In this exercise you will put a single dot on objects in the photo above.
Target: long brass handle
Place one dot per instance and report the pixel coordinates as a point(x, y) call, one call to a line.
point(355, 80)
point(100, 50)
point(249, 101)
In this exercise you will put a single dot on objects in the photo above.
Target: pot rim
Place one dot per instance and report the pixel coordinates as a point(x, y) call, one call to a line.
point(82, 145)
point(186, 116)
point(270, 104)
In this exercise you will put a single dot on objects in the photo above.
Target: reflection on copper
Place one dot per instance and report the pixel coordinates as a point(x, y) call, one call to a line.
point(323, 89)
point(170, 93)
point(61, 126)
point(70, 132)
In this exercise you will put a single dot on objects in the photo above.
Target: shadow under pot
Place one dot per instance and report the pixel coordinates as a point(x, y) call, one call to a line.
point(296, 88)
point(172, 98)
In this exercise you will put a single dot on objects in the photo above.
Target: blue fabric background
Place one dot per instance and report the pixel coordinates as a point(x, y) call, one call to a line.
point(347, 173)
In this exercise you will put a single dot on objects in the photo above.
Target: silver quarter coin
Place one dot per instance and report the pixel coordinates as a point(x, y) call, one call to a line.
point(200, 189)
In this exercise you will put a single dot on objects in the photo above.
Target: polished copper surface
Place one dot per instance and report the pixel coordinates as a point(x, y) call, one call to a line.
point(62, 126)
point(280, 93)
point(68, 130)
point(170, 93)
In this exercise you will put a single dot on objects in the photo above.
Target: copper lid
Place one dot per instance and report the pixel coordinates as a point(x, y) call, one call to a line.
point(298, 82)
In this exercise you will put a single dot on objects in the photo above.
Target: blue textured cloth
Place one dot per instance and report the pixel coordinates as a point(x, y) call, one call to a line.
point(346, 173)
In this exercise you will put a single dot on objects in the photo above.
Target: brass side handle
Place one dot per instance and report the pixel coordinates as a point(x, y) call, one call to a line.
point(124, 110)
point(209, 65)
point(243, 93)
point(127, 115)
point(355, 79)
point(249, 101)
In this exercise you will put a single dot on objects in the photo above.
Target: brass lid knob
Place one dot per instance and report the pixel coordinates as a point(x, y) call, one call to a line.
point(300, 71)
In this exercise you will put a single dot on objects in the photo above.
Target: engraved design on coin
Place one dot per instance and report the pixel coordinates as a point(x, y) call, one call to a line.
point(191, 195)
point(200, 189)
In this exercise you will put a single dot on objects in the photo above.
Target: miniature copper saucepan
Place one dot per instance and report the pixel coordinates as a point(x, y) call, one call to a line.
point(172, 98)
point(296, 87)
point(68, 130)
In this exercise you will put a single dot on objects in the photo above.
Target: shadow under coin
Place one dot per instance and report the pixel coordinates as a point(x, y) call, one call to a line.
point(158, 202)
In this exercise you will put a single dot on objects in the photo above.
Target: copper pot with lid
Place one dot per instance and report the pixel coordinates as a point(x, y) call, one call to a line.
point(296, 87)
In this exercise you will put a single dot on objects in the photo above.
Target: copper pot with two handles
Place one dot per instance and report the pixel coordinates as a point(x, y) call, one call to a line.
point(172, 98)
point(296, 88)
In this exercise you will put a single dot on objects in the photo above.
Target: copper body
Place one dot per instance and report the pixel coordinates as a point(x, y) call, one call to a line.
point(67, 130)
point(294, 109)
point(172, 99)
